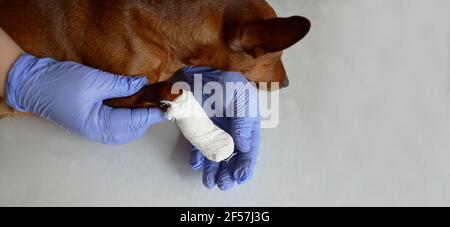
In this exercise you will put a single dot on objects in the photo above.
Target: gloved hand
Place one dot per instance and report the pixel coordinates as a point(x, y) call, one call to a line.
point(71, 95)
point(244, 129)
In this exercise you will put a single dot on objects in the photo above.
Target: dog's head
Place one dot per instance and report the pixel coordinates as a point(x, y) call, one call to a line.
point(258, 47)
point(257, 38)
point(249, 38)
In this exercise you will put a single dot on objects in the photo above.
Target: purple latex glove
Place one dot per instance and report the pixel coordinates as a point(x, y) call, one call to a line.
point(71, 95)
point(245, 130)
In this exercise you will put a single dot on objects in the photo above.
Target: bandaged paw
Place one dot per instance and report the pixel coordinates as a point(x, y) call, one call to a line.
point(214, 143)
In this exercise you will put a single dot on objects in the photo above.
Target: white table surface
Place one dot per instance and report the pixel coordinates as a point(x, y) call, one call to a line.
point(366, 121)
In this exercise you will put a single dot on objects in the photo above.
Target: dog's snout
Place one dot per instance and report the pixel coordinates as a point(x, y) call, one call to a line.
point(286, 83)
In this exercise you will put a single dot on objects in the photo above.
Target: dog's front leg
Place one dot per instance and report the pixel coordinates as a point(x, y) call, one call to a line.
point(150, 96)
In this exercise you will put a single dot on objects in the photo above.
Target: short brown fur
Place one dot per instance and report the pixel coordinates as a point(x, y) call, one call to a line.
point(156, 38)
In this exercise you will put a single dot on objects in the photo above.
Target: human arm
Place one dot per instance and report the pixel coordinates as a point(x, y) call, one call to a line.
point(9, 53)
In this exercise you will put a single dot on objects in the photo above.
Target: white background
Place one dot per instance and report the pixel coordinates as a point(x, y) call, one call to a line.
point(366, 121)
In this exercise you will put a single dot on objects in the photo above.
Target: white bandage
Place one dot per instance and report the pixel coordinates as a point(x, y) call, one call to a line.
point(214, 143)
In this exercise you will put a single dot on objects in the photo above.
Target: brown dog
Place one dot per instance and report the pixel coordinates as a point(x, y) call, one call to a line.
point(156, 37)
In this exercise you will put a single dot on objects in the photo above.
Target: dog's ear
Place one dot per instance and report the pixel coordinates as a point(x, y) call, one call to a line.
point(260, 37)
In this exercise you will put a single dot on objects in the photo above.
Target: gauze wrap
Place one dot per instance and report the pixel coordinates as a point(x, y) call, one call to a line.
point(214, 143)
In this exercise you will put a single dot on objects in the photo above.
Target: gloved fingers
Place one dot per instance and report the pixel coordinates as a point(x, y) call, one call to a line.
point(210, 171)
point(196, 159)
point(116, 86)
point(245, 167)
point(246, 113)
point(225, 177)
point(241, 131)
point(246, 162)
point(256, 136)
point(126, 125)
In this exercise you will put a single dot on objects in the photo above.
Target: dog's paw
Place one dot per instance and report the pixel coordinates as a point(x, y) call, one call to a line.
point(214, 143)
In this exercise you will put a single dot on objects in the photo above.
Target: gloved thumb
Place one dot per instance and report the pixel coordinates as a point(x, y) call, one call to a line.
point(142, 119)
point(127, 125)
point(123, 86)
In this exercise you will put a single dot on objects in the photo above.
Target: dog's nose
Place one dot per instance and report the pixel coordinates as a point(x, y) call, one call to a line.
point(286, 83)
